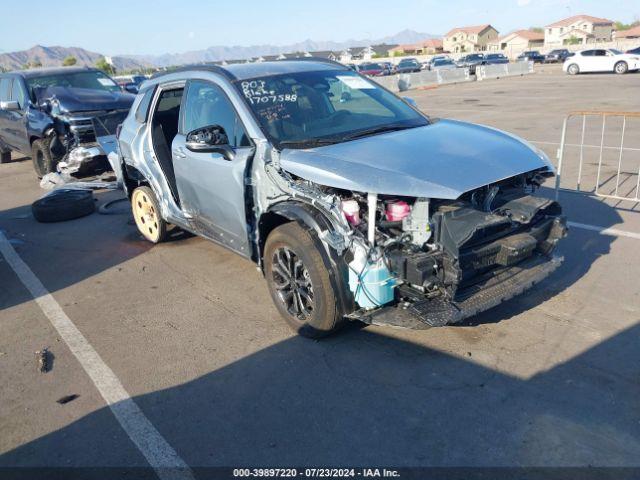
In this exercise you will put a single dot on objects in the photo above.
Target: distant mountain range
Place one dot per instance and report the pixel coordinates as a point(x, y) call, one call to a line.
point(53, 56)
point(220, 52)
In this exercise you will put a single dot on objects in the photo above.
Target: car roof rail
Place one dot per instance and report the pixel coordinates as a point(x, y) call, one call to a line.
point(230, 76)
point(197, 66)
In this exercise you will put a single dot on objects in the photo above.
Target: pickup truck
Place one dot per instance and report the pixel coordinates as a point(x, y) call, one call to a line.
point(56, 116)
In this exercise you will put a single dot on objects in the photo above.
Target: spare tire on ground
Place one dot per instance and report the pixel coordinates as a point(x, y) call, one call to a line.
point(63, 204)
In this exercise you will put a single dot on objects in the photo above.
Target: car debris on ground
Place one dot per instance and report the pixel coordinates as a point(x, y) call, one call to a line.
point(44, 358)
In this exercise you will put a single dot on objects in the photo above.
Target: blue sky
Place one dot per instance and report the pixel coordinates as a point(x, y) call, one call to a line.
point(161, 26)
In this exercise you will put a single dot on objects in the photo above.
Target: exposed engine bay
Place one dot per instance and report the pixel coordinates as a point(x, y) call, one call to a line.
point(445, 260)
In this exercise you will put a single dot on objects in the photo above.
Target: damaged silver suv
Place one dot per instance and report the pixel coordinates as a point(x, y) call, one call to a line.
point(354, 204)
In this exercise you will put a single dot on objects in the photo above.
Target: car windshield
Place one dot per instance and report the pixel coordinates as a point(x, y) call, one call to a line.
point(442, 62)
point(371, 66)
point(408, 62)
point(306, 109)
point(474, 57)
point(89, 79)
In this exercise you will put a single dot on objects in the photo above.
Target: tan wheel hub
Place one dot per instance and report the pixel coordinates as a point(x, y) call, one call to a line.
point(145, 215)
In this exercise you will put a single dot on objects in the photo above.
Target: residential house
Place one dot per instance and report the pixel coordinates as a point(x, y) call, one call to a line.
point(578, 30)
point(469, 39)
point(325, 54)
point(429, 46)
point(630, 34)
point(514, 43)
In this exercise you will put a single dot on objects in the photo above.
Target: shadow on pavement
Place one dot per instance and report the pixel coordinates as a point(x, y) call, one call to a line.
point(363, 398)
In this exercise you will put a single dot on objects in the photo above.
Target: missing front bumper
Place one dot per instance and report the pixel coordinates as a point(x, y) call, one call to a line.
point(440, 311)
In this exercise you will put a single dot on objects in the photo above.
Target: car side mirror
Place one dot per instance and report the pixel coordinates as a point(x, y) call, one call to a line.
point(345, 97)
point(10, 105)
point(211, 139)
point(131, 88)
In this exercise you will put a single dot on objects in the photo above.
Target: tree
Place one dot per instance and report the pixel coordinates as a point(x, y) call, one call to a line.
point(69, 61)
point(105, 66)
point(537, 29)
point(618, 26)
point(573, 41)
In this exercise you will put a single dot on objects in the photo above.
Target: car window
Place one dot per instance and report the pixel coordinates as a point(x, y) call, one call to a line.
point(5, 86)
point(588, 53)
point(18, 94)
point(205, 105)
point(600, 53)
point(142, 112)
point(89, 79)
point(303, 107)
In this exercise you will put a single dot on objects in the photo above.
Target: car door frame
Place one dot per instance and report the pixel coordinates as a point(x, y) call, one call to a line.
point(6, 140)
point(20, 119)
point(229, 230)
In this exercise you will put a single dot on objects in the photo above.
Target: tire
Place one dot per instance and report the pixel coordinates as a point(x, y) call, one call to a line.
point(5, 157)
point(43, 161)
point(293, 249)
point(573, 69)
point(63, 204)
point(621, 68)
point(146, 213)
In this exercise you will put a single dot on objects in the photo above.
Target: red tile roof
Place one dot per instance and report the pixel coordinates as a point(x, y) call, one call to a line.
point(472, 29)
point(632, 32)
point(577, 18)
point(529, 34)
point(428, 43)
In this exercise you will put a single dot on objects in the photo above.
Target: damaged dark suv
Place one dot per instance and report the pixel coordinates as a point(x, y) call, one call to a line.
point(355, 205)
point(56, 116)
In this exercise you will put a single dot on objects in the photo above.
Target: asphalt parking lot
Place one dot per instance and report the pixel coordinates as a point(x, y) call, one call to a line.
point(189, 332)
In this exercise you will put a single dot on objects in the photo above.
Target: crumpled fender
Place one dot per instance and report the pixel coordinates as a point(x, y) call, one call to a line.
point(314, 220)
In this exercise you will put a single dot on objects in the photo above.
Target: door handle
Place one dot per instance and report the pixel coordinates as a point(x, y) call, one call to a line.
point(179, 153)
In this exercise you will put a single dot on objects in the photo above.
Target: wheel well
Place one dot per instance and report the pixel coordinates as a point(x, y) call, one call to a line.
point(133, 178)
point(33, 138)
point(268, 222)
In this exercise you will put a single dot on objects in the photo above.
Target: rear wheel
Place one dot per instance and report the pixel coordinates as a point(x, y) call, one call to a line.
point(146, 213)
point(43, 161)
point(621, 68)
point(299, 281)
point(573, 69)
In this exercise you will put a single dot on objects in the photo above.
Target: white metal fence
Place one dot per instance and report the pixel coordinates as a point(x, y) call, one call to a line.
point(599, 155)
point(409, 81)
point(503, 70)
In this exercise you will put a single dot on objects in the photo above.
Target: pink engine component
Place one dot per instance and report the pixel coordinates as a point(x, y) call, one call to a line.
point(351, 210)
point(397, 210)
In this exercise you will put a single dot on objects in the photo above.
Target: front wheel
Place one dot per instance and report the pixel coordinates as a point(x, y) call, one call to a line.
point(621, 68)
point(146, 213)
point(43, 160)
point(573, 69)
point(5, 157)
point(299, 281)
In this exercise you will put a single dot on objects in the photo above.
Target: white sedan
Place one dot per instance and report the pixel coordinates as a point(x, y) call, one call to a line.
point(601, 60)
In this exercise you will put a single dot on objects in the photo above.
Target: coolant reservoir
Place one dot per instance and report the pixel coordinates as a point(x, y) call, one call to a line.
point(351, 210)
point(397, 210)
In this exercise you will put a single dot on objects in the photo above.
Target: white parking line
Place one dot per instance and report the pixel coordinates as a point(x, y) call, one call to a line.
point(605, 231)
point(160, 455)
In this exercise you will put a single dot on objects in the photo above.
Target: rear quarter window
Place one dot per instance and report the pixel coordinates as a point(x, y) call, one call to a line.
point(142, 112)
